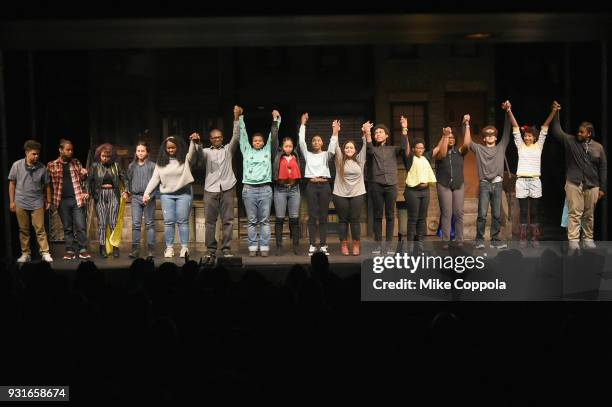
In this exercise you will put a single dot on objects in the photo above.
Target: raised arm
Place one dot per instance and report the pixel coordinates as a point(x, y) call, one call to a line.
point(507, 127)
point(333, 142)
point(404, 143)
point(368, 136)
point(366, 128)
point(555, 124)
point(467, 134)
point(272, 143)
point(302, 135)
point(244, 136)
point(441, 149)
point(235, 140)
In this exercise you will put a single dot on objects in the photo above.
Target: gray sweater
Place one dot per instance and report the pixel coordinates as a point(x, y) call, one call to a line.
point(352, 184)
point(173, 176)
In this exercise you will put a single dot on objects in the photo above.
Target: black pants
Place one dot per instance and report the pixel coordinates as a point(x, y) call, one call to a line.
point(417, 201)
point(349, 211)
point(529, 205)
point(318, 196)
point(383, 198)
point(74, 223)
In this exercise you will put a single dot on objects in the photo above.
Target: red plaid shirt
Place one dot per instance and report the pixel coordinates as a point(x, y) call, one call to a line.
point(56, 173)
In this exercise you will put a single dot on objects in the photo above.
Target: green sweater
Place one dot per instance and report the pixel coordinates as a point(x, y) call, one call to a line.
point(256, 164)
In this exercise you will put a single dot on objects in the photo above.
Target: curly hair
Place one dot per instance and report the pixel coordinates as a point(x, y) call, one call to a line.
point(181, 151)
point(105, 147)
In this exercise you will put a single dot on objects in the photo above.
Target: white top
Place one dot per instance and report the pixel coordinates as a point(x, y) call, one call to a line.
point(317, 164)
point(529, 156)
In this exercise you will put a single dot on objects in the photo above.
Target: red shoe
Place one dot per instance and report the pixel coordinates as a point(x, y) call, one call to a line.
point(84, 255)
point(344, 248)
point(69, 256)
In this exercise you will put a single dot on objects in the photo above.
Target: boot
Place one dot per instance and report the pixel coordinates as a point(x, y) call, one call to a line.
point(278, 229)
point(135, 253)
point(344, 248)
point(294, 230)
point(103, 251)
point(115, 252)
point(535, 235)
point(523, 237)
point(400, 244)
point(356, 247)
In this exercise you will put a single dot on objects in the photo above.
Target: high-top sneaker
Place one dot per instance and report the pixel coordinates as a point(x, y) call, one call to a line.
point(523, 236)
point(535, 235)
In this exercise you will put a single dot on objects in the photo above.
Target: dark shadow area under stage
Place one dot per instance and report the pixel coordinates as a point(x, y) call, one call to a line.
point(180, 333)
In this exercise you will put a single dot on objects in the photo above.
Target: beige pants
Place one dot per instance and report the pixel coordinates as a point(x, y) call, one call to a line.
point(581, 208)
point(37, 219)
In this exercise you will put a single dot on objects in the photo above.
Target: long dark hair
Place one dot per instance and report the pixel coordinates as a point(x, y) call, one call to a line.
point(284, 140)
point(342, 161)
point(181, 151)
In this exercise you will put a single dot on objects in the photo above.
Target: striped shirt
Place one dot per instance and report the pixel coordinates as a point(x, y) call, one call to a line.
point(529, 156)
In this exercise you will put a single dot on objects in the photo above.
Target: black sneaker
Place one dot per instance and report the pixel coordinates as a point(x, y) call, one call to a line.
point(227, 253)
point(498, 244)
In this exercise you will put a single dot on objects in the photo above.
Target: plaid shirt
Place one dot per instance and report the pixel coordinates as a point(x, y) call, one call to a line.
point(56, 173)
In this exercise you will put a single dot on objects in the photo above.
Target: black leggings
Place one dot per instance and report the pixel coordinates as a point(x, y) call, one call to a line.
point(383, 198)
point(349, 211)
point(529, 203)
point(417, 201)
point(318, 196)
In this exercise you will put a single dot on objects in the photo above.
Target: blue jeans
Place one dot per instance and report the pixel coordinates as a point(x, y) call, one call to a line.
point(257, 203)
point(149, 215)
point(287, 198)
point(489, 192)
point(176, 209)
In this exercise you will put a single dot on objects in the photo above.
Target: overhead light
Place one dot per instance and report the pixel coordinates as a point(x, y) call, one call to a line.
point(478, 36)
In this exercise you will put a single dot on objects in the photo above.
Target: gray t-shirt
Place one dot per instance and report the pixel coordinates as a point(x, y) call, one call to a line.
point(490, 160)
point(29, 184)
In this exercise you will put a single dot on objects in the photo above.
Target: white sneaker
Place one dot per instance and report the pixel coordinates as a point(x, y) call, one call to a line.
point(573, 247)
point(311, 250)
point(184, 252)
point(24, 258)
point(324, 250)
point(169, 252)
point(47, 257)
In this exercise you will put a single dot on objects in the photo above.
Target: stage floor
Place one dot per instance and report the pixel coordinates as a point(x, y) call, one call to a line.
point(287, 258)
